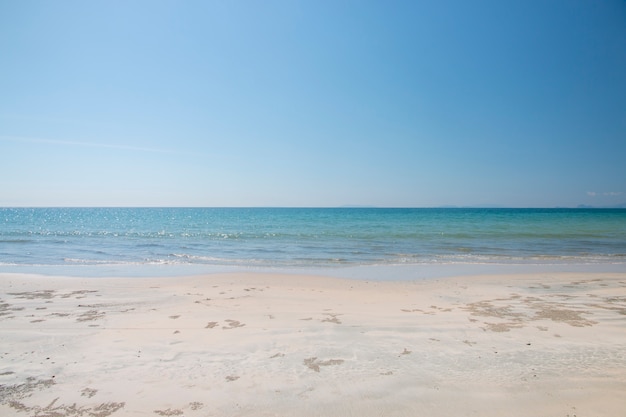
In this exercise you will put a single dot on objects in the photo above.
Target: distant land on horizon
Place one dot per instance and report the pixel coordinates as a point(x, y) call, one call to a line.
point(495, 206)
point(616, 206)
point(580, 206)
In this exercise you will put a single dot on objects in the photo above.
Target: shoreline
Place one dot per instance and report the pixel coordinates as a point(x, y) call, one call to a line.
point(392, 272)
point(262, 344)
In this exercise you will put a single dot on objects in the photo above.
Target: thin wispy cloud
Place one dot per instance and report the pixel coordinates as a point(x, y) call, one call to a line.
point(608, 193)
point(87, 144)
point(44, 119)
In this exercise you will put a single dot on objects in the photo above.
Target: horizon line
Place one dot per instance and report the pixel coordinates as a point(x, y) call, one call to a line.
point(580, 206)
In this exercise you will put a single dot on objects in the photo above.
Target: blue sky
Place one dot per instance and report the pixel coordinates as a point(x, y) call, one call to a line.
point(312, 103)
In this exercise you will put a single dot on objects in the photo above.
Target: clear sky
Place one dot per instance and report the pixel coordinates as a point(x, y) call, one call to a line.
point(312, 103)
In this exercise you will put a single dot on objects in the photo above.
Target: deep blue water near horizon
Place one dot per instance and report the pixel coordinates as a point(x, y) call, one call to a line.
point(35, 238)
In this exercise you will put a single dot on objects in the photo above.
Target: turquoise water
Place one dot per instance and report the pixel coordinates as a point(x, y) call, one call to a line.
point(308, 238)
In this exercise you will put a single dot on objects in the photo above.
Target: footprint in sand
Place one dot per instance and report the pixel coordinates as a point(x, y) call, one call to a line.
point(88, 392)
point(233, 324)
point(314, 363)
point(332, 318)
point(169, 412)
point(196, 405)
point(90, 315)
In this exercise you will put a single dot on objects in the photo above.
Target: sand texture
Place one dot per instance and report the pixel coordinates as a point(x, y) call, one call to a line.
point(281, 345)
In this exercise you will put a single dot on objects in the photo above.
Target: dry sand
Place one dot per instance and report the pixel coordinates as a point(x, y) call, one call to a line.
point(281, 345)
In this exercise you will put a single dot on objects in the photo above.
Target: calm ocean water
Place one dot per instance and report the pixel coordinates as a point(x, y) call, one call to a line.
point(310, 238)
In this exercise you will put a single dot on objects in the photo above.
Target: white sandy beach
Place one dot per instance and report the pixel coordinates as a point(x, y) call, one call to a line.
point(551, 344)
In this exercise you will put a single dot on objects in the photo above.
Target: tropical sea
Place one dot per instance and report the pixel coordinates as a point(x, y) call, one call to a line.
point(105, 241)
